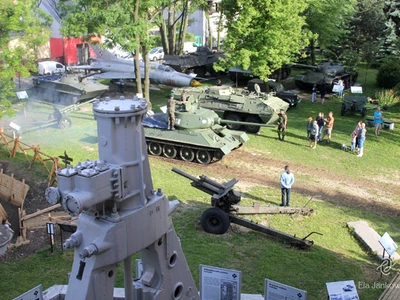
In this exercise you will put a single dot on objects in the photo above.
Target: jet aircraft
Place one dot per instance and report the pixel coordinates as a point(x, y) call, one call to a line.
point(111, 67)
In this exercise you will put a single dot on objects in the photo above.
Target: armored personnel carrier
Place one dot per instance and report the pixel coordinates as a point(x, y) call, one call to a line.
point(200, 62)
point(256, 107)
point(327, 73)
point(66, 89)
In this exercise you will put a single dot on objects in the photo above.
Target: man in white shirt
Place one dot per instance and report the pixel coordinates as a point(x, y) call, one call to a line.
point(287, 180)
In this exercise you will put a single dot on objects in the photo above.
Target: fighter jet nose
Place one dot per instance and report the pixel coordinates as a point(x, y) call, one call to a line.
point(194, 82)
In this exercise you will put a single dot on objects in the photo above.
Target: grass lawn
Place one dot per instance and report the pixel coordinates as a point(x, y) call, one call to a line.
point(335, 256)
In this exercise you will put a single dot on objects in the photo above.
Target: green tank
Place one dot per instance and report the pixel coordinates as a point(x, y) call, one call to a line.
point(66, 89)
point(198, 135)
point(256, 107)
point(326, 73)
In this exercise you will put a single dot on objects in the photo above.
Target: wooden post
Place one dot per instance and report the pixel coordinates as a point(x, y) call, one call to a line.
point(16, 144)
point(2, 136)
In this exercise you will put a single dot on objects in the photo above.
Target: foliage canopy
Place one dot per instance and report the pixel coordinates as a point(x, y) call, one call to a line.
point(23, 28)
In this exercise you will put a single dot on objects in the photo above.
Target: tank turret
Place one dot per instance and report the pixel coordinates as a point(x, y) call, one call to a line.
point(67, 89)
point(327, 73)
point(198, 136)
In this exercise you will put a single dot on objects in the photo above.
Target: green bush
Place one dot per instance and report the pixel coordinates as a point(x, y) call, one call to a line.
point(387, 98)
point(389, 73)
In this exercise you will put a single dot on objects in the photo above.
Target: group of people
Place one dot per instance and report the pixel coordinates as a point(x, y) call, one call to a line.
point(322, 90)
point(319, 128)
point(358, 138)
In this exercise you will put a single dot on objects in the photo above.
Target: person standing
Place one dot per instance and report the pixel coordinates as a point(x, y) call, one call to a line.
point(171, 111)
point(314, 93)
point(322, 91)
point(341, 87)
point(282, 125)
point(321, 122)
point(287, 180)
point(361, 140)
point(328, 126)
point(378, 120)
point(309, 127)
point(314, 135)
point(358, 130)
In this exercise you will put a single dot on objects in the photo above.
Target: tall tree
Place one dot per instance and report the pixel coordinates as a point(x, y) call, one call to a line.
point(262, 35)
point(125, 23)
point(23, 28)
point(327, 21)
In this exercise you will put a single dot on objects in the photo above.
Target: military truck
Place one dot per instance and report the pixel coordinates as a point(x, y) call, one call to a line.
point(233, 105)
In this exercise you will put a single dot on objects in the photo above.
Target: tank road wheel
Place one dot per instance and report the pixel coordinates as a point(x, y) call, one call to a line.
point(64, 122)
point(203, 157)
point(218, 155)
point(186, 154)
point(155, 149)
point(342, 110)
point(169, 151)
point(233, 117)
point(214, 220)
point(252, 128)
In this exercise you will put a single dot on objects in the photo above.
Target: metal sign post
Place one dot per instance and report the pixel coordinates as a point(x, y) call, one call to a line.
point(50, 228)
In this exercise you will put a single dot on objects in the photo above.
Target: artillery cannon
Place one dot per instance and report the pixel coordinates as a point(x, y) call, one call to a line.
point(224, 202)
point(354, 104)
point(327, 73)
point(237, 109)
point(199, 134)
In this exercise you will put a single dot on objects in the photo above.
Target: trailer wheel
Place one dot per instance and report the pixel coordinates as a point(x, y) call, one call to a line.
point(364, 112)
point(214, 220)
point(64, 123)
point(343, 110)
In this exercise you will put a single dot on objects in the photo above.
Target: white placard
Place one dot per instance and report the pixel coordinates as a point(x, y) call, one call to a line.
point(15, 126)
point(164, 109)
point(274, 290)
point(337, 88)
point(33, 294)
point(139, 268)
point(22, 95)
point(218, 283)
point(388, 244)
point(50, 228)
point(356, 89)
point(342, 290)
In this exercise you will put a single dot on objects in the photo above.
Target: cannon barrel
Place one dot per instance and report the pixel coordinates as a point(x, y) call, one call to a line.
point(304, 66)
point(184, 174)
point(224, 121)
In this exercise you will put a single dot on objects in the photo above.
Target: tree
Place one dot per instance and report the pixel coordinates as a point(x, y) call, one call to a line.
point(262, 35)
point(23, 28)
point(327, 20)
point(125, 23)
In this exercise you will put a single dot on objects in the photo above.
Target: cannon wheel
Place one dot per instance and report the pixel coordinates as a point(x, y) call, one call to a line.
point(364, 112)
point(64, 123)
point(233, 117)
point(214, 220)
point(252, 128)
point(343, 110)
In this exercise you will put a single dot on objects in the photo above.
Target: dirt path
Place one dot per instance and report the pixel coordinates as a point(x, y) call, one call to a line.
point(254, 169)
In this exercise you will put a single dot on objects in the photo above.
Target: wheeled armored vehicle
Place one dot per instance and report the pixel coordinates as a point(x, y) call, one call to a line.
point(236, 106)
point(327, 73)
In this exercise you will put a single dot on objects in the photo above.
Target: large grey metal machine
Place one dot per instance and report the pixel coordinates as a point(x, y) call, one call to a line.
point(121, 214)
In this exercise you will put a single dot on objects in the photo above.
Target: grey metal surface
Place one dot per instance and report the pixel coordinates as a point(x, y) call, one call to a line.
point(121, 214)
